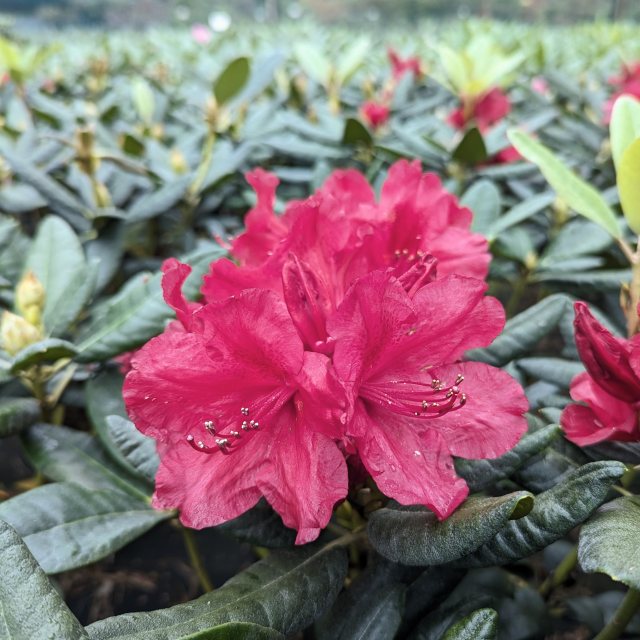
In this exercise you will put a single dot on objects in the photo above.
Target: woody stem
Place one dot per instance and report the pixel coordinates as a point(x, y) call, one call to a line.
point(196, 559)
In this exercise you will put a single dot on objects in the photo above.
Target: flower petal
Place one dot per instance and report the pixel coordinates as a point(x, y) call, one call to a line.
point(491, 421)
point(305, 474)
point(411, 466)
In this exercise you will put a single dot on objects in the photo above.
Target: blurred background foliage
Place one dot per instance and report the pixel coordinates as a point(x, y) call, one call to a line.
point(375, 13)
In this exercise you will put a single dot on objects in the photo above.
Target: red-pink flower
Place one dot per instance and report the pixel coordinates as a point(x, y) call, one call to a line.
point(413, 404)
point(342, 233)
point(400, 66)
point(375, 114)
point(483, 111)
point(626, 84)
point(239, 411)
point(610, 389)
point(201, 33)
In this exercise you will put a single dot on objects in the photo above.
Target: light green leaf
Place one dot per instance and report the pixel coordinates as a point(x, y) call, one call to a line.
point(143, 99)
point(609, 541)
point(418, 538)
point(578, 194)
point(351, 59)
point(625, 126)
point(30, 606)
point(628, 179)
point(313, 62)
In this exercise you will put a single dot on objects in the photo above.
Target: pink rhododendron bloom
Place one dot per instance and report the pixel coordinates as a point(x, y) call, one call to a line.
point(201, 33)
point(540, 85)
point(375, 114)
point(400, 66)
point(399, 336)
point(609, 390)
point(239, 411)
point(342, 232)
point(626, 84)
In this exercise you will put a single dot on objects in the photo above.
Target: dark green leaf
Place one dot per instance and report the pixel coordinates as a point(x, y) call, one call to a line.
point(236, 631)
point(356, 133)
point(523, 332)
point(287, 591)
point(479, 625)
point(158, 202)
point(17, 414)
point(471, 150)
point(609, 541)
point(481, 474)
point(419, 538)
point(231, 81)
point(66, 455)
point(135, 451)
point(66, 526)
point(555, 370)
point(555, 512)
point(30, 605)
point(485, 201)
point(40, 352)
point(521, 212)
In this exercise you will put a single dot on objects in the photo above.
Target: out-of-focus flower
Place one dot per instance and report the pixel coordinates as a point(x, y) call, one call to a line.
point(16, 333)
point(540, 85)
point(201, 33)
point(610, 388)
point(400, 66)
point(29, 298)
point(375, 114)
point(625, 84)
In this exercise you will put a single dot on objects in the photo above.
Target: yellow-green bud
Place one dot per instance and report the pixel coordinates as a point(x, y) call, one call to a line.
point(16, 333)
point(178, 161)
point(30, 296)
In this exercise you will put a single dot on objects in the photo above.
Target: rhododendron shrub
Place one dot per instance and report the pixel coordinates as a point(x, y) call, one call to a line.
point(347, 343)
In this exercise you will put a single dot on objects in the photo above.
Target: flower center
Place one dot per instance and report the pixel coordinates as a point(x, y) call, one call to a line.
point(416, 399)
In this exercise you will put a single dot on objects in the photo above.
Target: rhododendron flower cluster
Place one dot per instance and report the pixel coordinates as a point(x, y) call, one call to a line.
point(610, 388)
point(334, 334)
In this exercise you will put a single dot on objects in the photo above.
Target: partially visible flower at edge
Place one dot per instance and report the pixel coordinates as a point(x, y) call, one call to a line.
point(400, 66)
point(375, 114)
point(609, 391)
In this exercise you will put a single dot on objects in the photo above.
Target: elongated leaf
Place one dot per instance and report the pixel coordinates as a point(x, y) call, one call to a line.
point(555, 512)
point(628, 178)
point(66, 526)
point(44, 351)
point(485, 201)
point(57, 259)
point(351, 59)
point(143, 99)
point(286, 591)
point(356, 133)
point(554, 370)
point(30, 606)
point(609, 541)
point(479, 625)
point(417, 537)
point(136, 451)
point(236, 631)
point(137, 313)
point(481, 474)
point(578, 194)
point(523, 332)
point(103, 397)
point(624, 127)
point(59, 198)
point(521, 212)
point(313, 62)
point(231, 81)
point(16, 414)
point(161, 201)
point(379, 616)
point(66, 455)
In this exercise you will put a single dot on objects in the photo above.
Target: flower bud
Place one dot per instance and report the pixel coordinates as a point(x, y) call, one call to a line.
point(30, 296)
point(16, 333)
point(178, 161)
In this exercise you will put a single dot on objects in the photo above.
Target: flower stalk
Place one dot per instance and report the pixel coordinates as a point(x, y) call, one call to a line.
point(195, 559)
point(621, 618)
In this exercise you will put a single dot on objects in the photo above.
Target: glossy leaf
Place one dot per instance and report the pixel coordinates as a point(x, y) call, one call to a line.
point(41, 352)
point(418, 538)
point(31, 606)
point(471, 150)
point(136, 451)
point(578, 194)
point(609, 541)
point(16, 414)
point(286, 591)
point(231, 81)
point(485, 201)
point(66, 526)
point(555, 512)
point(479, 625)
point(624, 127)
